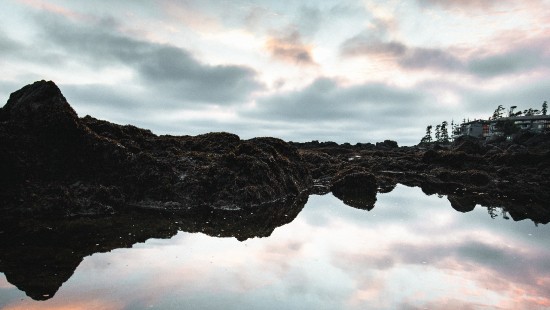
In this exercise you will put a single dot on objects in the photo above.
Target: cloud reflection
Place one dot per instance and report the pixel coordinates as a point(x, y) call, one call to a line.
point(410, 252)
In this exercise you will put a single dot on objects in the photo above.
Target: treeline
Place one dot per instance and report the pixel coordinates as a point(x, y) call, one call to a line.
point(441, 132)
point(499, 112)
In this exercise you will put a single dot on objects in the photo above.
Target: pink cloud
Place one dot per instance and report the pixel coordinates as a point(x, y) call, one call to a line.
point(56, 9)
point(290, 48)
point(60, 304)
point(279, 256)
point(475, 4)
point(519, 276)
point(188, 14)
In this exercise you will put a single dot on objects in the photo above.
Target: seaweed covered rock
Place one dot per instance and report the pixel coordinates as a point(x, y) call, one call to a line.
point(53, 163)
point(355, 188)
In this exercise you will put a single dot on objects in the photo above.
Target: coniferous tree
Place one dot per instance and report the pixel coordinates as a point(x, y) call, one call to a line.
point(453, 129)
point(438, 133)
point(544, 108)
point(511, 111)
point(531, 112)
point(498, 112)
point(428, 137)
point(444, 135)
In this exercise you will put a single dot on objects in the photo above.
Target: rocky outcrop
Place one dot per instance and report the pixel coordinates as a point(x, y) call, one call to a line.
point(509, 175)
point(54, 164)
point(78, 186)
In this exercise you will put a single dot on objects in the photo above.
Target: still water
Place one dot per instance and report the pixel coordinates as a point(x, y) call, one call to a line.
point(411, 251)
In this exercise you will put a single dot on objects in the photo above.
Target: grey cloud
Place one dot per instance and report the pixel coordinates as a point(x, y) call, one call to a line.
point(101, 96)
point(167, 68)
point(289, 47)
point(328, 111)
point(310, 19)
point(511, 264)
point(514, 62)
point(407, 57)
point(181, 73)
point(420, 58)
point(498, 266)
point(443, 304)
point(518, 60)
point(325, 100)
point(529, 94)
point(8, 45)
point(358, 46)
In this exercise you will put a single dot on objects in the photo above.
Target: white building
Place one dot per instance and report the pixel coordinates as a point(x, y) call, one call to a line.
point(484, 128)
point(476, 128)
point(533, 123)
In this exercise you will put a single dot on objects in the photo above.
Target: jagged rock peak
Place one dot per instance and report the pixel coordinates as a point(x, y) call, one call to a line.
point(39, 103)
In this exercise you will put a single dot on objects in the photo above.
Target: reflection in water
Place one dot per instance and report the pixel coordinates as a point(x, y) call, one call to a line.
point(410, 251)
point(39, 256)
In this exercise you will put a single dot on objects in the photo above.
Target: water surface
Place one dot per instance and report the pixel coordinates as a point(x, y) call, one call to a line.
point(411, 251)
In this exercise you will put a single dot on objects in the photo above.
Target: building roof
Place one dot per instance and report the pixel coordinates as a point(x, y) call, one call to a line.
point(477, 121)
point(526, 118)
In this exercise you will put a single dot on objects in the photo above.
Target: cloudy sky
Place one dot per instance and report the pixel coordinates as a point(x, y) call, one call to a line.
point(332, 70)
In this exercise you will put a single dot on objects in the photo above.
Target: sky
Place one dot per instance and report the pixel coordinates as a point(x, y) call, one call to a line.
point(344, 71)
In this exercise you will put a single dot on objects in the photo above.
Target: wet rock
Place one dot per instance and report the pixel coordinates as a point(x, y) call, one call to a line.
point(462, 204)
point(387, 144)
point(58, 165)
point(468, 145)
point(467, 166)
point(356, 189)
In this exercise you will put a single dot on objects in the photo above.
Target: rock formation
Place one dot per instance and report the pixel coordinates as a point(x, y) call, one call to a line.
point(54, 164)
point(71, 187)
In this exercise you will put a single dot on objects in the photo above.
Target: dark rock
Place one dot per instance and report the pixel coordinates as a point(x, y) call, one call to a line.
point(41, 106)
point(387, 144)
point(468, 145)
point(356, 189)
point(55, 164)
point(430, 156)
point(38, 256)
point(466, 166)
point(462, 204)
point(70, 186)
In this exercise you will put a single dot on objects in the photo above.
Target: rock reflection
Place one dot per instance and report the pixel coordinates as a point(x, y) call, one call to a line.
point(356, 189)
point(534, 210)
point(38, 256)
point(517, 201)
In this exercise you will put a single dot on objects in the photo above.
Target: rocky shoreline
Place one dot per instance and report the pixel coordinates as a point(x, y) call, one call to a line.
point(78, 186)
point(513, 176)
point(55, 164)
